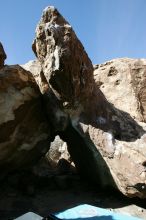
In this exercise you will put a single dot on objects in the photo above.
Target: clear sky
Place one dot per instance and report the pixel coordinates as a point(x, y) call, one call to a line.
point(107, 28)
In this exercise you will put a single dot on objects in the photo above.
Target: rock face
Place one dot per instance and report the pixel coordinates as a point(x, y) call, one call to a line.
point(35, 68)
point(2, 56)
point(66, 69)
point(57, 151)
point(24, 131)
point(105, 142)
point(123, 82)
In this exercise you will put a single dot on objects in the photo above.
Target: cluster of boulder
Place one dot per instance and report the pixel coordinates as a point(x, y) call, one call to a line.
point(100, 111)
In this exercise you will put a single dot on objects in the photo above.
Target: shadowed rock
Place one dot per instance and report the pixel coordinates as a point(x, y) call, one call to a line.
point(3, 56)
point(24, 130)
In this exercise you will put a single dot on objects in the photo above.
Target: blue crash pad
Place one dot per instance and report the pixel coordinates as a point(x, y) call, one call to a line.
point(88, 212)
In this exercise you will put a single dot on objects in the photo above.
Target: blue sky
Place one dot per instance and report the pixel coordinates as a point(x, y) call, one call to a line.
point(107, 28)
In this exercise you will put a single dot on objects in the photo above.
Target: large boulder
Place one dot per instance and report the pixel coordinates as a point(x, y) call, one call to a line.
point(3, 56)
point(24, 130)
point(99, 135)
point(66, 69)
point(63, 58)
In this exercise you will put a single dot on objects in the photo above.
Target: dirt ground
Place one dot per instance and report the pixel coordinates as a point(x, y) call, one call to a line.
point(17, 198)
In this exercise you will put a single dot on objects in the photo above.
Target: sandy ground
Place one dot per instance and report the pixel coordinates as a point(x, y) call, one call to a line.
point(60, 194)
